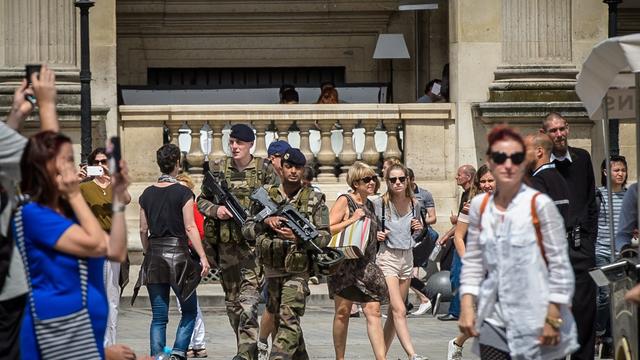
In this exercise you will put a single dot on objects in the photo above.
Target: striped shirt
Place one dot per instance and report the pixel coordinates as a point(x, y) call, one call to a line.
point(603, 243)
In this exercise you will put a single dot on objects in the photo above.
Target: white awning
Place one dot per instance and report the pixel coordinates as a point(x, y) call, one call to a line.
point(610, 65)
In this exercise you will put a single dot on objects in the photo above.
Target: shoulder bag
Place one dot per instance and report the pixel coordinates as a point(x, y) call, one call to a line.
point(353, 240)
point(63, 337)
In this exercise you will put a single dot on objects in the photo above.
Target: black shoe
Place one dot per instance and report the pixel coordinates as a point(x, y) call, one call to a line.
point(448, 317)
point(409, 307)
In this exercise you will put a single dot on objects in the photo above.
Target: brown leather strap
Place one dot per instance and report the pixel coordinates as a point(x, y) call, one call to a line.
point(536, 225)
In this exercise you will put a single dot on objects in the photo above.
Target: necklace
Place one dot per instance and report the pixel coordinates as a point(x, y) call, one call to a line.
point(104, 191)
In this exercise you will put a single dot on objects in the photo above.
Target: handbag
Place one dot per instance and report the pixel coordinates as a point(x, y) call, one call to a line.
point(353, 239)
point(62, 337)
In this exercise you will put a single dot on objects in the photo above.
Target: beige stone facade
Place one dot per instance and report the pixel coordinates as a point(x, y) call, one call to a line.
point(510, 60)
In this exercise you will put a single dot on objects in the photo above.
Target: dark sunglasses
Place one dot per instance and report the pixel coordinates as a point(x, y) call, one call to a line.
point(394, 179)
point(368, 179)
point(500, 157)
point(100, 162)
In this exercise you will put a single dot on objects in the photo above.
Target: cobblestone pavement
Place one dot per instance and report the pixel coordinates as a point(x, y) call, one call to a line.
point(430, 336)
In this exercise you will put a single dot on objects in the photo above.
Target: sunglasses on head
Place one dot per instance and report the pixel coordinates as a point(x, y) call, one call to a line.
point(100, 162)
point(500, 157)
point(394, 179)
point(368, 179)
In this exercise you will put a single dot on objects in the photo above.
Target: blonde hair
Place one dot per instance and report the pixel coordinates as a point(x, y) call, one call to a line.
point(359, 170)
point(408, 191)
point(185, 179)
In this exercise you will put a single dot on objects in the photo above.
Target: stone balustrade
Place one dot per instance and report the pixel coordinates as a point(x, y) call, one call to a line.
point(332, 137)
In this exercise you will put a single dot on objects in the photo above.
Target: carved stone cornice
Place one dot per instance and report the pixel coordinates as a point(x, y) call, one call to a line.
point(201, 18)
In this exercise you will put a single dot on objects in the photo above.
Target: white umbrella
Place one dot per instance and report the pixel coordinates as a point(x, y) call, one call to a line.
point(613, 67)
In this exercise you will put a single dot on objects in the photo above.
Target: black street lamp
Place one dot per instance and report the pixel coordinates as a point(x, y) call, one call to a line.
point(85, 79)
point(614, 124)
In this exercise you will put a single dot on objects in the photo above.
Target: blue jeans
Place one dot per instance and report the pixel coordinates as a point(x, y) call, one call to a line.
point(159, 298)
point(456, 268)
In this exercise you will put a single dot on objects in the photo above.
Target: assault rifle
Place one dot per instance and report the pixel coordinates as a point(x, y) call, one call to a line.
point(326, 259)
point(293, 219)
point(220, 190)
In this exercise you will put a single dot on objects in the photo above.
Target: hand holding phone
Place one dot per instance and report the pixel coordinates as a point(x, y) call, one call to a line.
point(31, 69)
point(95, 171)
point(114, 154)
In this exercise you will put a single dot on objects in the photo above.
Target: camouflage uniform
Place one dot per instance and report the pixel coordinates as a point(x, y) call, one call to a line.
point(287, 288)
point(240, 273)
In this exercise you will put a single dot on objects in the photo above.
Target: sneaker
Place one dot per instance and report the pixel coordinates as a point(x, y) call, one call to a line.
point(424, 307)
point(418, 357)
point(263, 351)
point(454, 352)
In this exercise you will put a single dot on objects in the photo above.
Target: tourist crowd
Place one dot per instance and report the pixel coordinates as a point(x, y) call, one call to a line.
point(530, 225)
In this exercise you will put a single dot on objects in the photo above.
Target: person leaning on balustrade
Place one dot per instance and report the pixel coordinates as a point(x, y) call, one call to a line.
point(516, 247)
point(358, 280)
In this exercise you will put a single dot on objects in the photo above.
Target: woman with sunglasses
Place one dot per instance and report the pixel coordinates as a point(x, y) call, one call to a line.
point(483, 183)
point(97, 192)
point(399, 225)
point(358, 280)
point(516, 270)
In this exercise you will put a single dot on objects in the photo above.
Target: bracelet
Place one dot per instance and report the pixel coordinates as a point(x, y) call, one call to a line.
point(116, 208)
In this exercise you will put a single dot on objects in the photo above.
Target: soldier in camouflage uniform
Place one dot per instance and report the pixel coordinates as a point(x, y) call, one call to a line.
point(240, 273)
point(285, 259)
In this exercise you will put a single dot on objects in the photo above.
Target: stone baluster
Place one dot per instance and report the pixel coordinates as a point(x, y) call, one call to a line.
point(315, 142)
point(337, 146)
point(305, 146)
point(293, 135)
point(195, 157)
point(370, 155)
point(325, 156)
point(216, 147)
point(393, 148)
point(347, 156)
point(270, 134)
point(260, 144)
point(226, 132)
point(185, 137)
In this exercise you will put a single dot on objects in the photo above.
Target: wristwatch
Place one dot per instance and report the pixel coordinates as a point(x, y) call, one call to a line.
point(555, 323)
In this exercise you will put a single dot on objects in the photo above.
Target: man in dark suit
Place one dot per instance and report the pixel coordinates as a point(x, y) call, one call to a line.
point(575, 166)
point(544, 175)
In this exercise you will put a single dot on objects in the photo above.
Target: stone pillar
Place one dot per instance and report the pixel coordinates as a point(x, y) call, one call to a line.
point(38, 30)
point(536, 31)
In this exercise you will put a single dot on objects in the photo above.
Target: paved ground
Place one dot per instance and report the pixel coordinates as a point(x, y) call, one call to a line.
point(430, 336)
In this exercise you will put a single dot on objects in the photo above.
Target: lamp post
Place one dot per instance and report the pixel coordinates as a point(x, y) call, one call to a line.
point(85, 80)
point(614, 124)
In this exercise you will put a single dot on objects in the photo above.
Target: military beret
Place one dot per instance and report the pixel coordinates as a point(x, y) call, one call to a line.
point(278, 148)
point(242, 132)
point(294, 157)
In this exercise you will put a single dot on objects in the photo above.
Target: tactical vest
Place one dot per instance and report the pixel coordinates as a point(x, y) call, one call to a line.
point(241, 184)
point(283, 255)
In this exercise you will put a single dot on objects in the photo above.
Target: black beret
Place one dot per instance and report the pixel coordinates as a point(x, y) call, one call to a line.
point(242, 132)
point(294, 157)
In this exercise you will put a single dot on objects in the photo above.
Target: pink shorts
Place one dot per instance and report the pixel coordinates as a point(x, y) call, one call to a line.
point(395, 262)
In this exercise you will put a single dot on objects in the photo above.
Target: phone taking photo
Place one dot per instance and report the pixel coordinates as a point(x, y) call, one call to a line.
point(95, 171)
point(29, 71)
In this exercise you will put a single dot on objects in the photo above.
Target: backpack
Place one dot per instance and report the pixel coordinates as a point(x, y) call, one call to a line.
point(535, 220)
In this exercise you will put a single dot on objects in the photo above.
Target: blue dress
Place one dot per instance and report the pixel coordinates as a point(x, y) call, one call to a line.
point(55, 278)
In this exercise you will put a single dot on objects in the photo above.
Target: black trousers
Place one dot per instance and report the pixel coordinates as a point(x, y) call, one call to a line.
point(11, 312)
point(584, 312)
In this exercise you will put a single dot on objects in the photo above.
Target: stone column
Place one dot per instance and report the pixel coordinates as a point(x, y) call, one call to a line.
point(37, 31)
point(536, 53)
point(536, 31)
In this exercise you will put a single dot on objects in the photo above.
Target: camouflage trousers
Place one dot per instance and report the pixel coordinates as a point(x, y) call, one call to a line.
point(240, 279)
point(287, 298)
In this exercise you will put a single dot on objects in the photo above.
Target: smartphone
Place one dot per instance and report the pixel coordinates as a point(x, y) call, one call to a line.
point(95, 171)
point(114, 153)
point(31, 69)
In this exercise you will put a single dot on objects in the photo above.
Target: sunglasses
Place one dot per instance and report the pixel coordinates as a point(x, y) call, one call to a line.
point(394, 179)
point(500, 157)
point(100, 162)
point(368, 179)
